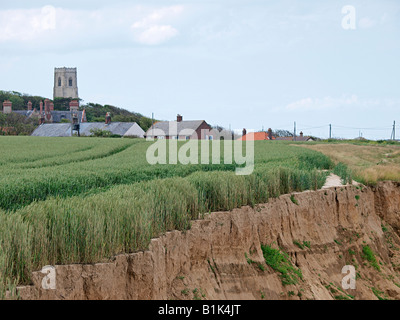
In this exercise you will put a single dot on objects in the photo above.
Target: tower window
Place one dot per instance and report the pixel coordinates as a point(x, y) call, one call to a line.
point(70, 82)
point(59, 82)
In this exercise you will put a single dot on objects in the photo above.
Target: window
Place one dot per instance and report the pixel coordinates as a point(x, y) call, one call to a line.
point(59, 82)
point(70, 82)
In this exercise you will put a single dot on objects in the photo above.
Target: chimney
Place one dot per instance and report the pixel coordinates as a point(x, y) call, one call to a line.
point(46, 105)
point(108, 118)
point(41, 107)
point(74, 105)
point(270, 134)
point(301, 134)
point(7, 106)
point(29, 105)
point(51, 106)
point(244, 132)
point(179, 118)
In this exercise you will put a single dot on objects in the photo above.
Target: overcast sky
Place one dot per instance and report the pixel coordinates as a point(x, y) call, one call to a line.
point(245, 64)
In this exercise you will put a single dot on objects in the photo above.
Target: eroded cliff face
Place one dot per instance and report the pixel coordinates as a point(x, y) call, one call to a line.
point(220, 257)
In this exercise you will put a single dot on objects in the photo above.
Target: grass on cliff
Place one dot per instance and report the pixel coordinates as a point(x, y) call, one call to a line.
point(55, 226)
point(370, 256)
point(279, 261)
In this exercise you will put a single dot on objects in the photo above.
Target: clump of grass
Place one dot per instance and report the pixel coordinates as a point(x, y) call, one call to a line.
point(198, 294)
point(342, 297)
point(337, 242)
point(302, 245)
point(280, 262)
point(370, 256)
point(343, 172)
point(378, 294)
point(334, 290)
point(297, 243)
point(185, 292)
point(293, 199)
point(250, 261)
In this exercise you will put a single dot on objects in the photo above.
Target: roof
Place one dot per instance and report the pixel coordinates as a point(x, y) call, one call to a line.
point(256, 136)
point(57, 115)
point(298, 138)
point(64, 129)
point(166, 125)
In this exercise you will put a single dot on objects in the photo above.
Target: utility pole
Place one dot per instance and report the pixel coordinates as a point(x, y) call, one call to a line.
point(394, 130)
point(393, 136)
point(152, 125)
point(294, 132)
point(330, 131)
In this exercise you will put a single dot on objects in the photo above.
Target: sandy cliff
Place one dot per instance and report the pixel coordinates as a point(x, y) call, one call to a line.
point(220, 257)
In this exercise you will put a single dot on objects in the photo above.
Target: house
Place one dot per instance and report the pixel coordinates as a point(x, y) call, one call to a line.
point(46, 113)
point(123, 129)
point(301, 137)
point(181, 130)
point(257, 136)
point(224, 134)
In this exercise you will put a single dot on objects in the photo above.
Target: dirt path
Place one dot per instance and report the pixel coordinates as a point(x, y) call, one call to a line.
point(334, 180)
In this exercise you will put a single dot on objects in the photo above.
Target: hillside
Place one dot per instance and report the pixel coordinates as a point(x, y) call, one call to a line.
point(94, 112)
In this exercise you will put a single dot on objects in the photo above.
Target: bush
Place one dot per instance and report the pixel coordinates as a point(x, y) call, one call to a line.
point(98, 133)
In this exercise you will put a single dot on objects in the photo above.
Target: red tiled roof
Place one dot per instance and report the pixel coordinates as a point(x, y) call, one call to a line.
point(256, 136)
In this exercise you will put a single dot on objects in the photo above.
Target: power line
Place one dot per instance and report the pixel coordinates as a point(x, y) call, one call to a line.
point(309, 128)
point(356, 128)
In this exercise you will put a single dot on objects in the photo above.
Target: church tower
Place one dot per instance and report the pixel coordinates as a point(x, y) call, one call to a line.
point(65, 83)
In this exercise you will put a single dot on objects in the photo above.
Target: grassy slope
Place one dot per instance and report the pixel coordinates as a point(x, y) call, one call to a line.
point(369, 163)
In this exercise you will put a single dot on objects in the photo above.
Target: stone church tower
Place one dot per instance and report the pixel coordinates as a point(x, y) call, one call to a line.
point(65, 83)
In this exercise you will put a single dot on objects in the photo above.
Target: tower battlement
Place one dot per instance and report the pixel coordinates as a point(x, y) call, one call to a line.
point(65, 69)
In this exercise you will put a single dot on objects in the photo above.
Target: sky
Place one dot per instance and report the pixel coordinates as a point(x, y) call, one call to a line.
point(253, 64)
